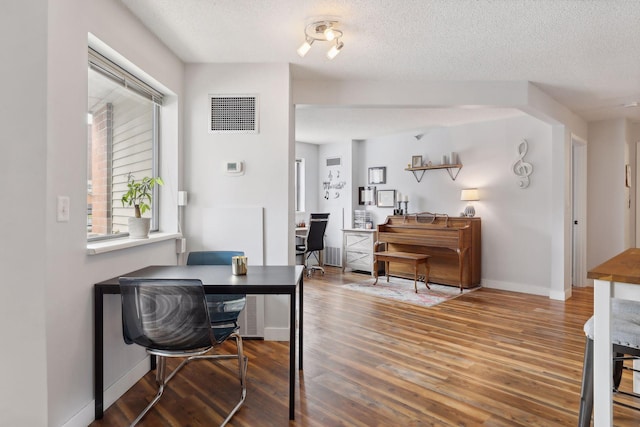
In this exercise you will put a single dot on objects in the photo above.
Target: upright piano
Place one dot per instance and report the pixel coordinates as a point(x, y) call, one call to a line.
point(453, 243)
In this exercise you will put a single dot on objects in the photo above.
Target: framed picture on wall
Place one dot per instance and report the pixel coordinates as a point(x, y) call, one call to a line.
point(386, 198)
point(366, 195)
point(416, 161)
point(378, 175)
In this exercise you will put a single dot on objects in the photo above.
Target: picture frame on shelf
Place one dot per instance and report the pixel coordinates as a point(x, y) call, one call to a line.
point(378, 175)
point(416, 161)
point(367, 195)
point(386, 198)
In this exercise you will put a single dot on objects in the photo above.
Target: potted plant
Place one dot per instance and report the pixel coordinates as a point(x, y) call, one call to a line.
point(138, 195)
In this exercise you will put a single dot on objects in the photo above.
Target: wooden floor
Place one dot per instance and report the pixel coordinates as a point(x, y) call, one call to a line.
point(487, 358)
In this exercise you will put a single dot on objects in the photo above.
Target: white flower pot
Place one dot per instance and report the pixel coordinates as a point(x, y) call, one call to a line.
point(139, 228)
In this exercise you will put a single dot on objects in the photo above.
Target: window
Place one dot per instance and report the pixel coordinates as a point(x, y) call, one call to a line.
point(123, 123)
point(299, 185)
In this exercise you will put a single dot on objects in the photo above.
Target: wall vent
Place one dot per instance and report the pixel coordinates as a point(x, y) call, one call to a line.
point(233, 114)
point(333, 256)
point(334, 161)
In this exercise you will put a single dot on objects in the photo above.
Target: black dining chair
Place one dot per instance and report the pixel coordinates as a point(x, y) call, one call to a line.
point(171, 318)
point(314, 242)
point(625, 338)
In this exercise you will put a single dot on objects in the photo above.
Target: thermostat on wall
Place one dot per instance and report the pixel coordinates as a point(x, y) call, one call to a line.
point(234, 168)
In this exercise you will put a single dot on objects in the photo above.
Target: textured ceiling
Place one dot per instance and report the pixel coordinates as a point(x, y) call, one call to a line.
point(583, 53)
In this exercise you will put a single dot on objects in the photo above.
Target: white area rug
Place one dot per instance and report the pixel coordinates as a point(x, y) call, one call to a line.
point(402, 290)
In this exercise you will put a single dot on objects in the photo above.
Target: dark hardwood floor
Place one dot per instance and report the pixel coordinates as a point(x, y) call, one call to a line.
point(487, 358)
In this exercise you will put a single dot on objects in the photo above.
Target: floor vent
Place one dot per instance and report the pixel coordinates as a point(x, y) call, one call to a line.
point(233, 114)
point(333, 256)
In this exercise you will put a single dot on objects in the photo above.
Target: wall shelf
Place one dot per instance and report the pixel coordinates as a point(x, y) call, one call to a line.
point(422, 169)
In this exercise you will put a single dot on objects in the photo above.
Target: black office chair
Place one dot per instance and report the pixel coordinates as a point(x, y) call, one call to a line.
point(171, 318)
point(314, 242)
point(625, 338)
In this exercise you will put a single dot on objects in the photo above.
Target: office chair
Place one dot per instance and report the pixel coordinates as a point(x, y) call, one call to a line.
point(170, 318)
point(314, 241)
point(625, 337)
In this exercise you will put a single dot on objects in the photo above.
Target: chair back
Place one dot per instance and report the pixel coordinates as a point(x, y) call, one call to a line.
point(224, 309)
point(212, 257)
point(317, 228)
point(165, 314)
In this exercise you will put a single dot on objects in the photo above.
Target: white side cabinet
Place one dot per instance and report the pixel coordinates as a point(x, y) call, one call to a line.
point(357, 249)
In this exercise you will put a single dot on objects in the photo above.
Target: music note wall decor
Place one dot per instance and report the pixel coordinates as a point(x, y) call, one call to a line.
point(521, 168)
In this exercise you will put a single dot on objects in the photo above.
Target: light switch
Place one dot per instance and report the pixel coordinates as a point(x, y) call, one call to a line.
point(63, 209)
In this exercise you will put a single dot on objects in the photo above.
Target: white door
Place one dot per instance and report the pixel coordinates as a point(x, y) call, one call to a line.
point(579, 212)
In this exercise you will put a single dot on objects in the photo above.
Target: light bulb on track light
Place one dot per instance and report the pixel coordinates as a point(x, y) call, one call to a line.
point(305, 47)
point(335, 50)
point(330, 34)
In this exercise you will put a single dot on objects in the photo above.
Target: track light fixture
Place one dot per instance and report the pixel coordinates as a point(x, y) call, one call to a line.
point(325, 31)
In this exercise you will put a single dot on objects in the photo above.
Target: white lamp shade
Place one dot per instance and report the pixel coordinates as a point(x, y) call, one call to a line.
point(469, 194)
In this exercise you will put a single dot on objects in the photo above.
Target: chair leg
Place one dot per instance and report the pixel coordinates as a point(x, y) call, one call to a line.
point(161, 380)
point(618, 364)
point(242, 371)
point(586, 393)
point(310, 269)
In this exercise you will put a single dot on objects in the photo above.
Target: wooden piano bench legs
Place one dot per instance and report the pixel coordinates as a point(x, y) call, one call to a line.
point(404, 258)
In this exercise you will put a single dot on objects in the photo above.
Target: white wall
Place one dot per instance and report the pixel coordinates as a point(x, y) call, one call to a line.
point(47, 308)
point(268, 157)
point(23, 39)
point(516, 223)
point(309, 152)
point(334, 186)
point(606, 192)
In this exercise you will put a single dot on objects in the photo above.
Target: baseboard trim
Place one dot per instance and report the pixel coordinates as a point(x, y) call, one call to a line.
point(87, 414)
point(276, 334)
point(515, 287)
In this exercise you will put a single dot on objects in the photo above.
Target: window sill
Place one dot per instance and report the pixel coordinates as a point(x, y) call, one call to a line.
point(96, 248)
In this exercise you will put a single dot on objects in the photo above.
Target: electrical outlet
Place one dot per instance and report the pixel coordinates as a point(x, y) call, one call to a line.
point(63, 209)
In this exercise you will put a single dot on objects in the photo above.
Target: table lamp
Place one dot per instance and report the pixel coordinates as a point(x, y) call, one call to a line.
point(469, 195)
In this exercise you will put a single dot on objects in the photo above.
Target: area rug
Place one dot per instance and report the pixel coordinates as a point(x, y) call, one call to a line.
point(402, 290)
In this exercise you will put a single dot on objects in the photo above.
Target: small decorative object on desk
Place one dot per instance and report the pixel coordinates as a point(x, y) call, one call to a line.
point(239, 265)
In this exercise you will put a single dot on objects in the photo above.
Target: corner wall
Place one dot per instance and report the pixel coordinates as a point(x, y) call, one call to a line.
point(607, 203)
point(23, 171)
point(269, 161)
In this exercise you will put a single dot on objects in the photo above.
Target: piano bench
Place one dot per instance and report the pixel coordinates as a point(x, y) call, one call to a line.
point(405, 258)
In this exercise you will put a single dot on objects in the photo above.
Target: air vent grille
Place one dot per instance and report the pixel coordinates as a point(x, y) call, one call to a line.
point(233, 114)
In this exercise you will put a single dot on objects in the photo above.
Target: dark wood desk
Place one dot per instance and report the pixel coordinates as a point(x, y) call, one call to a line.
point(217, 279)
